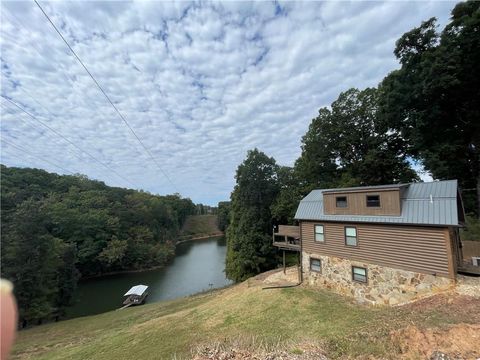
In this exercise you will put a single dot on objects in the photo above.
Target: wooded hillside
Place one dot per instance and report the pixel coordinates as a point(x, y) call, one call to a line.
point(57, 229)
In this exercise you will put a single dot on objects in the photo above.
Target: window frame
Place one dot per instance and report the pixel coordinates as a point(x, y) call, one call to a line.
point(345, 235)
point(346, 201)
point(315, 233)
point(366, 274)
point(320, 265)
point(370, 206)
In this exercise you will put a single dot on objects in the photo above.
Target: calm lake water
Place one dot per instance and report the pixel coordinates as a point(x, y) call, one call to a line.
point(198, 266)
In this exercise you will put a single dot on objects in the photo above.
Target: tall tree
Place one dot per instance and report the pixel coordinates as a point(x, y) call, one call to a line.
point(433, 100)
point(30, 259)
point(349, 145)
point(223, 217)
point(285, 205)
point(249, 243)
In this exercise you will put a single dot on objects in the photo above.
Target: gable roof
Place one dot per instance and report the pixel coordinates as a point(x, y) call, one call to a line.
point(136, 290)
point(430, 203)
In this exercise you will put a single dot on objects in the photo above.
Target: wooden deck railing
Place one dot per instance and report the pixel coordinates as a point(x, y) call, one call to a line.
point(287, 237)
point(470, 248)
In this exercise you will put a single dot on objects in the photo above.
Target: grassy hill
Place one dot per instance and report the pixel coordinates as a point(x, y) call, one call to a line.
point(200, 226)
point(246, 317)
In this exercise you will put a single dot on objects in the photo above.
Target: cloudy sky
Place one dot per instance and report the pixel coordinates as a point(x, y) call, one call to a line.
point(199, 83)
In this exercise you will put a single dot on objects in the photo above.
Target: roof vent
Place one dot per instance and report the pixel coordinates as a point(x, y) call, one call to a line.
point(431, 199)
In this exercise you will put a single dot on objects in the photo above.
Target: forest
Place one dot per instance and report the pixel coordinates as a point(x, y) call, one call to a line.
point(426, 112)
point(57, 229)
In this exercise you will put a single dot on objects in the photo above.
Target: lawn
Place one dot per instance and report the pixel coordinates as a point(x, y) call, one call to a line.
point(247, 315)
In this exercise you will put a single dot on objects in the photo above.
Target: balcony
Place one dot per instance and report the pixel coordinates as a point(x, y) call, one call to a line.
point(287, 238)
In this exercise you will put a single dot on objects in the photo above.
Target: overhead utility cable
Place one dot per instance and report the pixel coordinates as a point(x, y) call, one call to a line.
point(106, 96)
point(67, 140)
point(75, 151)
point(36, 156)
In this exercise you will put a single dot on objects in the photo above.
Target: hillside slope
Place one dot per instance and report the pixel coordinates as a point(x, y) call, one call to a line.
point(249, 318)
point(198, 226)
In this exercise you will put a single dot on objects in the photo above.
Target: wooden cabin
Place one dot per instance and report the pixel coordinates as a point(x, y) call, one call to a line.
point(381, 244)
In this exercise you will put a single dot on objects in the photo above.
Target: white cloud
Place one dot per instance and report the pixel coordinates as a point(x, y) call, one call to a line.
point(201, 83)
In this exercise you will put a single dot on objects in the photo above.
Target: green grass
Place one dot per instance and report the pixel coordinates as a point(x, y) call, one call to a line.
point(243, 313)
point(200, 225)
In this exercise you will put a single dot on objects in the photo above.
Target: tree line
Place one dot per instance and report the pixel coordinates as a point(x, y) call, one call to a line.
point(426, 112)
point(57, 229)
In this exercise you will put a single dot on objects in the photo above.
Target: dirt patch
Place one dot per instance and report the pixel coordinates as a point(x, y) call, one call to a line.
point(464, 309)
point(457, 342)
point(279, 277)
point(468, 285)
point(216, 352)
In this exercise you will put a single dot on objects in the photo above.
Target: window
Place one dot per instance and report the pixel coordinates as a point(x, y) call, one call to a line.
point(359, 274)
point(315, 265)
point(373, 200)
point(319, 236)
point(341, 201)
point(350, 236)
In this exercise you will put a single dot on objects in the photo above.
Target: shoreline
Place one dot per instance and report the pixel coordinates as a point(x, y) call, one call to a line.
point(201, 237)
point(112, 273)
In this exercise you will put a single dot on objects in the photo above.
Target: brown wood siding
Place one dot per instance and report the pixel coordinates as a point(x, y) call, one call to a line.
point(450, 252)
point(413, 248)
point(357, 203)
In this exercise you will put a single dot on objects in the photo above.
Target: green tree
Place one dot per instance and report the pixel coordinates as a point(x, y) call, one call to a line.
point(249, 242)
point(433, 100)
point(114, 252)
point(223, 216)
point(316, 167)
point(30, 259)
point(58, 228)
point(285, 205)
point(349, 145)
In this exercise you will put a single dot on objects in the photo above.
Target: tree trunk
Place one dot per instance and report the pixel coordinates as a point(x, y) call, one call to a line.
point(478, 194)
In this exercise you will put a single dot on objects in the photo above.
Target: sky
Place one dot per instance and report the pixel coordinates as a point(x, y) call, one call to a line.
point(199, 84)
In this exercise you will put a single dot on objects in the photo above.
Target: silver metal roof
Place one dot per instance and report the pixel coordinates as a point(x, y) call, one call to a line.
point(136, 290)
point(366, 188)
point(432, 203)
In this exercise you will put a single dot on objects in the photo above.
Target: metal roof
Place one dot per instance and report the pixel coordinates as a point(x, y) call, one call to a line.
point(136, 290)
point(366, 188)
point(432, 203)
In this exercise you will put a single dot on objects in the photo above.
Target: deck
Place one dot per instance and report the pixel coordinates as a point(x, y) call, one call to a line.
point(469, 269)
point(287, 238)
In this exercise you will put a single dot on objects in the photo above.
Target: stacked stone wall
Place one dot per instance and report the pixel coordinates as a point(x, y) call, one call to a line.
point(385, 285)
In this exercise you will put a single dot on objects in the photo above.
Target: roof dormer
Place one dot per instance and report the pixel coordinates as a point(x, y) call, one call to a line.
point(371, 200)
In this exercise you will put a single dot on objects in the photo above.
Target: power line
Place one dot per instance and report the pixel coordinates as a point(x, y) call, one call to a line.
point(106, 96)
point(66, 139)
point(36, 156)
point(22, 88)
point(7, 76)
point(31, 123)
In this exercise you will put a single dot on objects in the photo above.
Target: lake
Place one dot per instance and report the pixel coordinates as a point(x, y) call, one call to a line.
point(198, 266)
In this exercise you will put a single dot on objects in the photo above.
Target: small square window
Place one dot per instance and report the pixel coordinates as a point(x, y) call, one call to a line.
point(315, 265)
point(351, 236)
point(359, 274)
point(319, 235)
point(341, 201)
point(373, 200)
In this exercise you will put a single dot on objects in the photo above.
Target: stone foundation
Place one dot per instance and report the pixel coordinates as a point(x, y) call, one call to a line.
point(384, 286)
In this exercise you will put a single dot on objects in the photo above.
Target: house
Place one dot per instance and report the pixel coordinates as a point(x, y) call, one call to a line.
point(380, 244)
